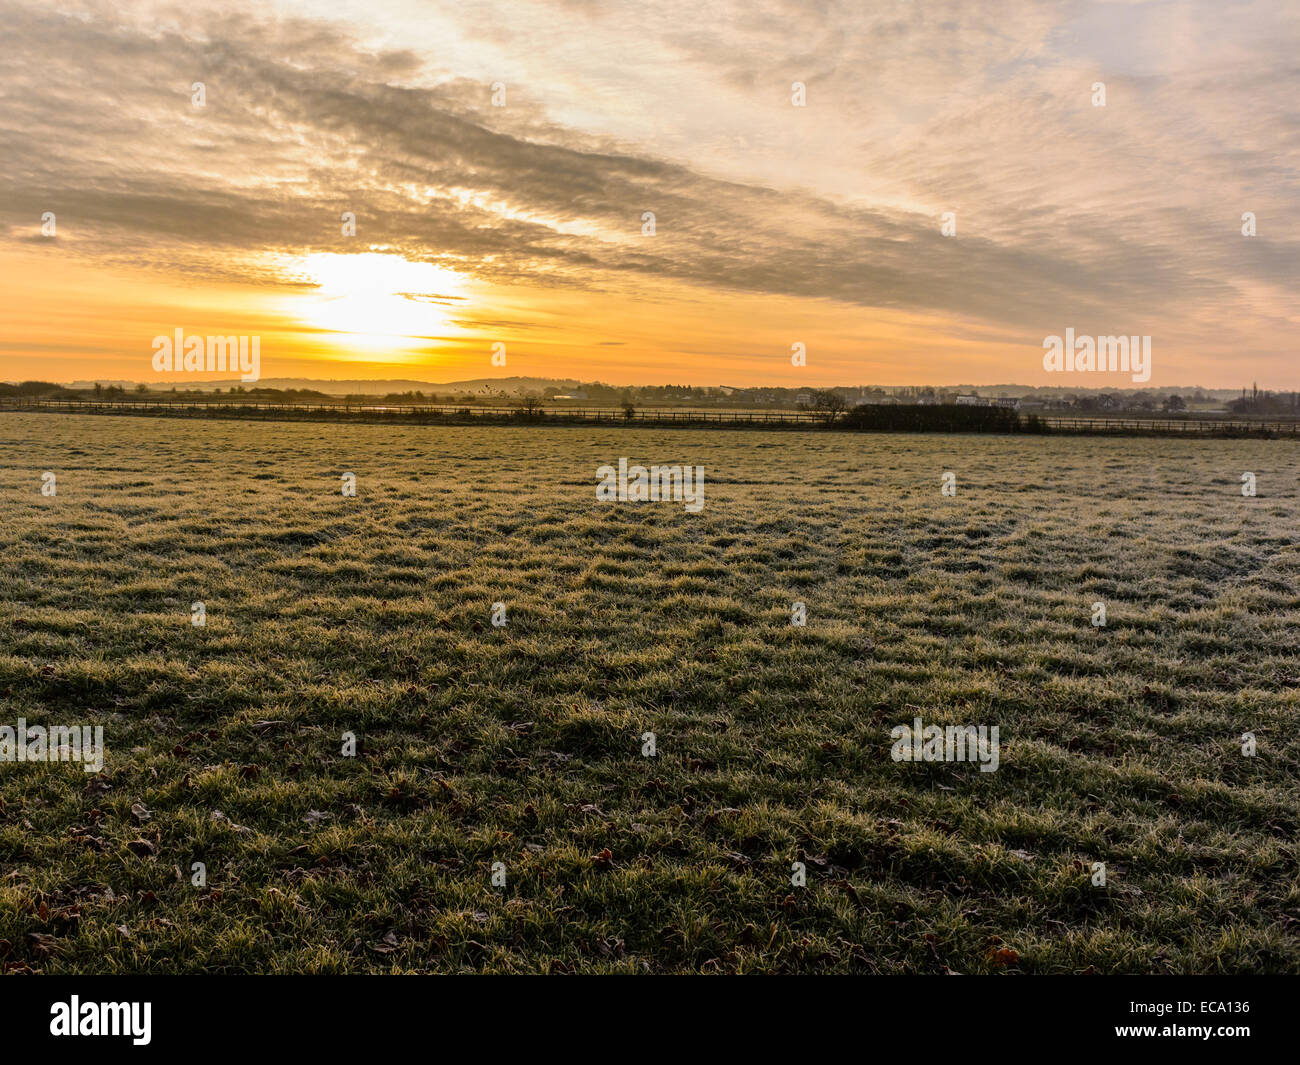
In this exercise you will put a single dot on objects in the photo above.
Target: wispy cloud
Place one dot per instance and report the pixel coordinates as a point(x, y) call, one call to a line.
point(1125, 217)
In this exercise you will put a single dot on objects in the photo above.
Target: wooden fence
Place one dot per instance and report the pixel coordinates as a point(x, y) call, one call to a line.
point(415, 413)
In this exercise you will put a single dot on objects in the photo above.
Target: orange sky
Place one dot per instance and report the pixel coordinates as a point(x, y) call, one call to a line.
point(499, 180)
point(89, 322)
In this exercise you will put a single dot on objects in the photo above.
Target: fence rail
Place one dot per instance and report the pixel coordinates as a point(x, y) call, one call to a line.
point(433, 413)
point(401, 410)
point(1175, 425)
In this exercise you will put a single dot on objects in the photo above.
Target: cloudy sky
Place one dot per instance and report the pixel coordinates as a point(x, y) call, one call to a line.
point(775, 224)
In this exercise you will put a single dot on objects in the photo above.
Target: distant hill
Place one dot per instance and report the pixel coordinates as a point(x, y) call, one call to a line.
point(373, 387)
point(488, 388)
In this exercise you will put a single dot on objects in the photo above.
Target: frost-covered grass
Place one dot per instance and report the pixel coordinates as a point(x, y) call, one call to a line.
point(523, 745)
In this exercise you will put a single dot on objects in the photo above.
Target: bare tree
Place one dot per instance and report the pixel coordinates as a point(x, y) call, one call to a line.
point(829, 404)
point(530, 404)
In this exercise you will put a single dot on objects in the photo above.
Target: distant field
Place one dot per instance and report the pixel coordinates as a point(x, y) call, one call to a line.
point(864, 418)
point(522, 745)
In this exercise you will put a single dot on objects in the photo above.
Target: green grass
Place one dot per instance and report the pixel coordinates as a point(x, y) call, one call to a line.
point(522, 745)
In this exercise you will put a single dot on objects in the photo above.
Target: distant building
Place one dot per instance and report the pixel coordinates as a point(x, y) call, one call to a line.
point(971, 401)
point(1010, 402)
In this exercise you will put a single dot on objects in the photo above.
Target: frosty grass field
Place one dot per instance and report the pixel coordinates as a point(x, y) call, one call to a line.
point(522, 745)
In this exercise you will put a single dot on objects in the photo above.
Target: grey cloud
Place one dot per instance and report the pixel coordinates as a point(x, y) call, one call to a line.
point(302, 124)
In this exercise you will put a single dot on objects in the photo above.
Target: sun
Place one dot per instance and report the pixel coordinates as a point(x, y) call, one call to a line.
point(378, 302)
